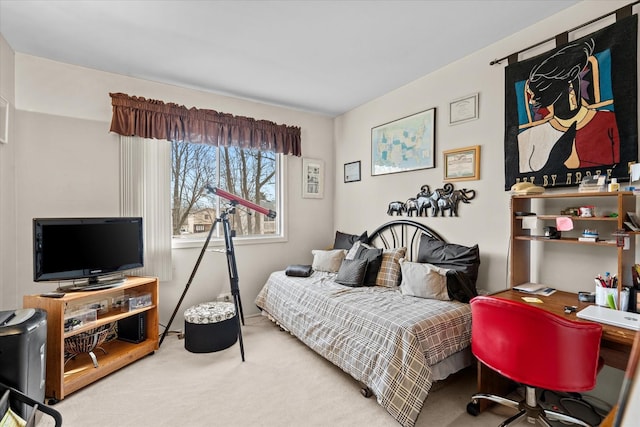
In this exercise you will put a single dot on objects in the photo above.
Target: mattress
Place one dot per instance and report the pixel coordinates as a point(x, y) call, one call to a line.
point(380, 337)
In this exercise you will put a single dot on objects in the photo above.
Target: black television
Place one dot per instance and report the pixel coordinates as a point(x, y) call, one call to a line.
point(90, 253)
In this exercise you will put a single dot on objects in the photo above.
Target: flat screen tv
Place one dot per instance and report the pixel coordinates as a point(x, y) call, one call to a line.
point(88, 252)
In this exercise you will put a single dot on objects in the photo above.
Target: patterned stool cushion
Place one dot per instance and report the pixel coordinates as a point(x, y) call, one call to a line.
point(210, 312)
point(210, 326)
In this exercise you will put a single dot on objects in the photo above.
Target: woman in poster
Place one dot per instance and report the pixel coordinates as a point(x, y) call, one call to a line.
point(571, 133)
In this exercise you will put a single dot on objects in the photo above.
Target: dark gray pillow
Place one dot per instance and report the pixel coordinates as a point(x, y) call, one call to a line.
point(374, 261)
point(463, 262)
point(351, 272)
point(345, 241)
point(450, 255)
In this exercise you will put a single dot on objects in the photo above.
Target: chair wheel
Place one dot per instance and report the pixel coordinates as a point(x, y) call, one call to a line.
point(473, 408)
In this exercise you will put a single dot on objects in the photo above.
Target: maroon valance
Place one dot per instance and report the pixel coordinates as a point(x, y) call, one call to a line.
point(148, 118)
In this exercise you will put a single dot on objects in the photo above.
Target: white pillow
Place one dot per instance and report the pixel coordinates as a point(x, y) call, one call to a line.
point(351, 253)
point(424, 280)
point(328, 260)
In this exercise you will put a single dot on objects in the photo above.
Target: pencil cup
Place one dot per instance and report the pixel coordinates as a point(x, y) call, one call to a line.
point(602, 297)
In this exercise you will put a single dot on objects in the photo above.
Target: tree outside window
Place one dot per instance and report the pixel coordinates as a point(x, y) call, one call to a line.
point(247, 173)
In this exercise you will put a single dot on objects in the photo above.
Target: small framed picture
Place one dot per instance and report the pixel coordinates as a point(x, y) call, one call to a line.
point(463, 109)
point(462, 164)
point(312, 179)
point(352, 171)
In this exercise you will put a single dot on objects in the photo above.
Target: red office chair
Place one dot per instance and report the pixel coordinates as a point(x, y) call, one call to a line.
point(536, 348)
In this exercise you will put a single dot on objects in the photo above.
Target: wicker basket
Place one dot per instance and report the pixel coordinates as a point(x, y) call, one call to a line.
point(86, 342)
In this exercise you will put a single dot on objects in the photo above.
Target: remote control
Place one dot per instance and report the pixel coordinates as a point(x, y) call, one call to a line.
point(53, 294)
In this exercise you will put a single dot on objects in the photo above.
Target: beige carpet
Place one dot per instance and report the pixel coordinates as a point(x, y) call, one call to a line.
point(281, 383)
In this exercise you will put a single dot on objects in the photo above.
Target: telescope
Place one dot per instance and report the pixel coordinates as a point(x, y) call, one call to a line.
point(240, 201)
point(231, 257)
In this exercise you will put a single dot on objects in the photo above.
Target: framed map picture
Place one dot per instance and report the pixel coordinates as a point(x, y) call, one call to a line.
point(405, 144)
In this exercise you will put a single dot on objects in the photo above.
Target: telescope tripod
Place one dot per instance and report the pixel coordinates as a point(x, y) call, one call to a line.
point(232, 267)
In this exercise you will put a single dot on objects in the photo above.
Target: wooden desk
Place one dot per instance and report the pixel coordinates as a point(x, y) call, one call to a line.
point(616, 342)
point(615, 346)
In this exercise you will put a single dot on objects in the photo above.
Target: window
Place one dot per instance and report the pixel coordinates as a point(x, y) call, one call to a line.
point(250, 174)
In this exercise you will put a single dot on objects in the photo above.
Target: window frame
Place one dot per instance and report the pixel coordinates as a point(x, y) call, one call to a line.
point(281, 218)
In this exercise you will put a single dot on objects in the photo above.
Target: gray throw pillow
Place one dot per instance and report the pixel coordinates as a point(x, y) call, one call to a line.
point(351, 272)
point(374, 260)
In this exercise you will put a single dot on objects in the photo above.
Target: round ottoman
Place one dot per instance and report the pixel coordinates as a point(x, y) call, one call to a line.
point(210, 326)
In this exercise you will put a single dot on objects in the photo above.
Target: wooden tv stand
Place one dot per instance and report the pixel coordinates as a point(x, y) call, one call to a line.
point(65, 378)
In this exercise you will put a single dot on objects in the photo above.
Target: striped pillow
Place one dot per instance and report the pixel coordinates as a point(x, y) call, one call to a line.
point(389, 274)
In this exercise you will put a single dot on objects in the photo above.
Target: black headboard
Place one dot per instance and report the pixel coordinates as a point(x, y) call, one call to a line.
point(402, 233)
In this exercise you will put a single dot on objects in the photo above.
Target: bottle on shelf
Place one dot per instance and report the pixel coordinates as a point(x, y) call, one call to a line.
point(613, 185)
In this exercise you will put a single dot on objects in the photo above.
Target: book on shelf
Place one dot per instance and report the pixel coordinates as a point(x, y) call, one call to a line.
point(633, 219)
point(535, 289)
point(587, 239)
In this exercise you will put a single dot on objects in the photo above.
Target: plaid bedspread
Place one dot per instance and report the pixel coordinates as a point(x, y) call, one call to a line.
point(380, 337)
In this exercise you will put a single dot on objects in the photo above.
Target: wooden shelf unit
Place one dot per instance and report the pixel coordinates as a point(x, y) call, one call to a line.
point(621, 202)
point(63, 379)
point(616, 342)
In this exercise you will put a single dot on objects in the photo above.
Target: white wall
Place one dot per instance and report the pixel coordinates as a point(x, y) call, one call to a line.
point(362, 205)
point(63, 161)
point(66, 164)
point(7, 180)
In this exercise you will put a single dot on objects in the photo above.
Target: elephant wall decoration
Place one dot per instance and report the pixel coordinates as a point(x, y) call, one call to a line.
point(439, 201)
point(397, 207)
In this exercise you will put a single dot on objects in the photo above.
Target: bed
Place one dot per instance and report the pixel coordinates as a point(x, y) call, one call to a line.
point(394, 343)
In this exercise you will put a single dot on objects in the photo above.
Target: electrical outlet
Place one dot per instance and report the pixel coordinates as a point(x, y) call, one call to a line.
point(226, 297)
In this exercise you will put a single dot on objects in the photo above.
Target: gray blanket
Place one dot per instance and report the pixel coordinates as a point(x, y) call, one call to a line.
point(380, 337)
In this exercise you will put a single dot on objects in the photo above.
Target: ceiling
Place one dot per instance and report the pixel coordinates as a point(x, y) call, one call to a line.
point(325, 57)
